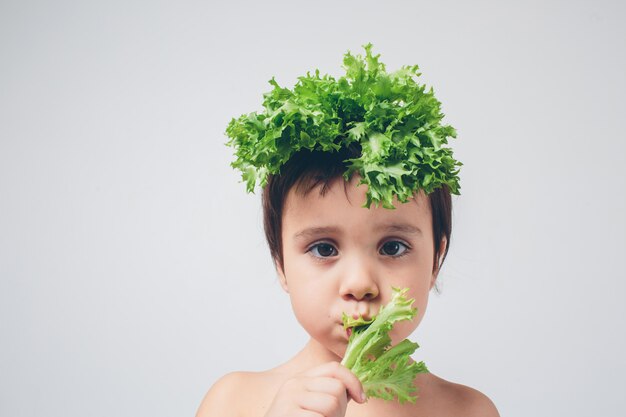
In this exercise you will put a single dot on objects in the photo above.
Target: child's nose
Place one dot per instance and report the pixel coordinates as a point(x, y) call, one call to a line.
point(359, 281)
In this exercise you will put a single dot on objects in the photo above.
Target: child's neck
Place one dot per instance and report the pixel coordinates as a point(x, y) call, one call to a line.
point(313, 354)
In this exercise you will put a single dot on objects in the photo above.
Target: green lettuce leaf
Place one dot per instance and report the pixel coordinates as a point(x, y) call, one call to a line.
point(396, 121)
point(386, 372)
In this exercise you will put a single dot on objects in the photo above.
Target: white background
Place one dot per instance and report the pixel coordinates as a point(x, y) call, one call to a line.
point(133, 270)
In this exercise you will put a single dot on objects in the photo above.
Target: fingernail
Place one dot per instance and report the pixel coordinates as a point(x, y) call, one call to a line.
point(363, 397)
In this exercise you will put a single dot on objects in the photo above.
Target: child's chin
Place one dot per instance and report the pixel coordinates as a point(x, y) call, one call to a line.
point(334, 340)
point(339, 348)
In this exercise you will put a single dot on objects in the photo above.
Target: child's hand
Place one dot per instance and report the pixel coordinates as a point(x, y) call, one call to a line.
point(322, 391)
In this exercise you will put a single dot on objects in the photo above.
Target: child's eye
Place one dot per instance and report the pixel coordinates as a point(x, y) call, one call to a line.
point(323, 250)
point(393, 248)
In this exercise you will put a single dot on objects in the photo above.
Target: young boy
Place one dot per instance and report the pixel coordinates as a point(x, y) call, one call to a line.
point(335, 253)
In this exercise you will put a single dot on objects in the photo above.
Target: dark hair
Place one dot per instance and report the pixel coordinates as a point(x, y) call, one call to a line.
point(307, 170)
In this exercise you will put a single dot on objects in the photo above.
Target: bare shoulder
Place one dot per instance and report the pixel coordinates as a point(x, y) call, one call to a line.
point(239, 394)
point(474, 403)
point(460, 400)
point(220, 399)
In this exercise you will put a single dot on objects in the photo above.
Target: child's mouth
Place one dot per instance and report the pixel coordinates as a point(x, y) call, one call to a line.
point(356, 322)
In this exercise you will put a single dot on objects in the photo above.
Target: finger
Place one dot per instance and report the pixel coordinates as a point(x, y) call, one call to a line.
point(304, 413)
point(326, 384)
point(308, 413)
point(324, 404)
point(340, 372)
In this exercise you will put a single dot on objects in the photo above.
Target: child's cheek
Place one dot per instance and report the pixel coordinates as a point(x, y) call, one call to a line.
point(402, 330)
point(309, 313)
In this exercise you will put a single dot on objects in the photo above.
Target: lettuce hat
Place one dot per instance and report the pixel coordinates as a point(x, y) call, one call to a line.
point(395, 120)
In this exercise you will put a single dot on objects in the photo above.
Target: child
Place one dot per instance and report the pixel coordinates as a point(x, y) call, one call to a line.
point(356, 201)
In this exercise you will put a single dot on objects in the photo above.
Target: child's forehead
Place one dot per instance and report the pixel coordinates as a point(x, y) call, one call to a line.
point(343, 201)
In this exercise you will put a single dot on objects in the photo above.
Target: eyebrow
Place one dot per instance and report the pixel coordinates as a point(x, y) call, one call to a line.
point(389, 228)
point(399, 227)
point(315, 231)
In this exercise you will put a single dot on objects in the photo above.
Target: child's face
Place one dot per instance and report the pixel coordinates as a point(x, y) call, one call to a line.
point(340, 257)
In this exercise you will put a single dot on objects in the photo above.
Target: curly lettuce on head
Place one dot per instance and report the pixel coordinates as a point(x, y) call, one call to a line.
point(395, 120)
point(386, 372)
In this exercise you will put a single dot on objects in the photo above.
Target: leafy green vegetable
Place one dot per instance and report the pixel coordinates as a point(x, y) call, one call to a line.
point(395, 120)
point(386, 372)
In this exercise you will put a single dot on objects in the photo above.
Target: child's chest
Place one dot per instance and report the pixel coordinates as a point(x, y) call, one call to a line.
point(264, 395)
point(378, 408)
point(430, 403)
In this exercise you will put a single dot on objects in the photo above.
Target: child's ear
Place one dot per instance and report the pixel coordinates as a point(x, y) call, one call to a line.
point(281, 276)
point(437, 267)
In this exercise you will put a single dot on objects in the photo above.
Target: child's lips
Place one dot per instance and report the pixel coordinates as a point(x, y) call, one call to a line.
point(355, 316)
point(346, 331)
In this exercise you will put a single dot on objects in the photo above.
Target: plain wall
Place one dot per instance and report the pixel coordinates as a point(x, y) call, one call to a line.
point(133, 270)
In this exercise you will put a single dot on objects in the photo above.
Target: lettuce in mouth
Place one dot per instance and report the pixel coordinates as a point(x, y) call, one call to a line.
point(386, 372)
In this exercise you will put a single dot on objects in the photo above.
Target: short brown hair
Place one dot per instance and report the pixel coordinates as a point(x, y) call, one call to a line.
point(307, 170)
